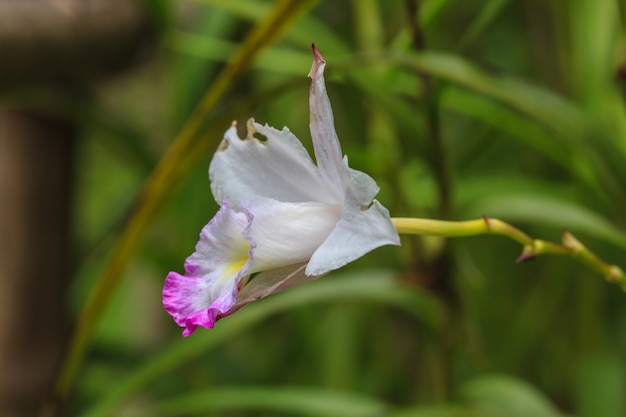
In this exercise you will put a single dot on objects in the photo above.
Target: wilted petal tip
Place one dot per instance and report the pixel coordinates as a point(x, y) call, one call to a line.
point(317, 69)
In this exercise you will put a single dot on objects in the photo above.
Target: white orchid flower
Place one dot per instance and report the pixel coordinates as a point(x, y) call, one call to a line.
point(283, 220)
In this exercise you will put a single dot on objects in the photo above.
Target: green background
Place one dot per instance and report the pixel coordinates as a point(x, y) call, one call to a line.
point(458, 108)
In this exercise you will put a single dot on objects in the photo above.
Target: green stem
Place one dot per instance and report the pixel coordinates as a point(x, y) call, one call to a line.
point(430, 96)
point(531, 247)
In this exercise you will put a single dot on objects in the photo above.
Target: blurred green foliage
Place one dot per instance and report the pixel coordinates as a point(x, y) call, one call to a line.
point(511, 109)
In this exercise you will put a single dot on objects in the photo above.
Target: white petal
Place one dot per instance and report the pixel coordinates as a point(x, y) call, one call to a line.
point(325, 140)
point(287, 233)
point(278, 168)
point(364, 226)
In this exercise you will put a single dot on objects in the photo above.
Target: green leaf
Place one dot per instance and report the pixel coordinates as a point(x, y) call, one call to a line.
point(308, 29)
point(584, 135)
point(499, 395)
point(430, 10)
point(490, 396)
point(512, 123)
point(488, 13)
point(276, 60)
point(190, 75)
point(601, 386)
point(295, 401)
point(595, 37)
point(445, 410)
point(371, 286)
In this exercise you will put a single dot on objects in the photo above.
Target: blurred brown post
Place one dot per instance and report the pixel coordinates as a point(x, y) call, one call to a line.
point(35, 183)
point(65, 46)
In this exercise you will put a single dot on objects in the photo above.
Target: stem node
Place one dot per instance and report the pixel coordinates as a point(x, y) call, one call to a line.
point(487, 222)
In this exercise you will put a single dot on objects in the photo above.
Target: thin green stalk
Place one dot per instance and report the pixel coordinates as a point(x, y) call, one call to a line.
point(430, 97)
point(532, 248)
point(164, 177)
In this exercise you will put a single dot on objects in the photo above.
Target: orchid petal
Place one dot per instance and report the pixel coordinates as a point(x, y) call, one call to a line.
point(278, 167)
point(209, 287)
point(285, 237)
point(364, 226)
point(287, 233)
point(325, 140)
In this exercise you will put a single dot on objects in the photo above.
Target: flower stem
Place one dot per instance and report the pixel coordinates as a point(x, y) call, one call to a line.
point(531, 247)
